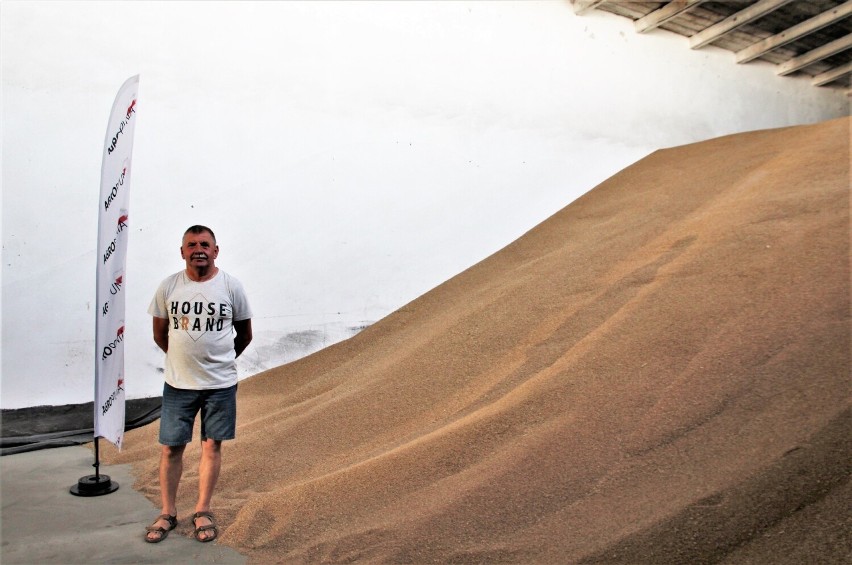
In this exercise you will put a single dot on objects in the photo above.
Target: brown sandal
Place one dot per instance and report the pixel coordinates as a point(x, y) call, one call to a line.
point(164, 532)
point(208, 528)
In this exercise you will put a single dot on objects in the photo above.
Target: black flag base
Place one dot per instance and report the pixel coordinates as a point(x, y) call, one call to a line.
point(97, 484)
point(94, 485)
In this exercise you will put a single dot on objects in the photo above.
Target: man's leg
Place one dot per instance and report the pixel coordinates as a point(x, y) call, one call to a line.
point(208, 474)
point(218, 423)
point(171, 469)
point(177, 417)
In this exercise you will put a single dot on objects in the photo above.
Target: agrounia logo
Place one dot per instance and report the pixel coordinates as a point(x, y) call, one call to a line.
point(109, 401)
point(130, 111)
point(111, 347)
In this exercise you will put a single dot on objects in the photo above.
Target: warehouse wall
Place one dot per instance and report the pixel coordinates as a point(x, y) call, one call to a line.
point(349, 156)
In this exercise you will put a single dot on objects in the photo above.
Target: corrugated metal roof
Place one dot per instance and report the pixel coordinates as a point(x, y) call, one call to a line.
point(800, 37)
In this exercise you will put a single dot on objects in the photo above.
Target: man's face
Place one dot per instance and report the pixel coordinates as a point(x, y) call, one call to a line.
point(199, 250)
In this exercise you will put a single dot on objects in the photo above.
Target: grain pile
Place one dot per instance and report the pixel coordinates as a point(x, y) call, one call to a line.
point(659, 373)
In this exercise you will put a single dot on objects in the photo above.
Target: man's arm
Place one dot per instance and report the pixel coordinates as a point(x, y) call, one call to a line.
point(243, 337)
point(161, 333)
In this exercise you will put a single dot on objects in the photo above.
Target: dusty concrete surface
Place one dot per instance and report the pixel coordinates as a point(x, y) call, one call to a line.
point(42, 522)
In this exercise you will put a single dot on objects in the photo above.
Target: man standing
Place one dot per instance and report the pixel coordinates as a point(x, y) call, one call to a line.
point(202, 321)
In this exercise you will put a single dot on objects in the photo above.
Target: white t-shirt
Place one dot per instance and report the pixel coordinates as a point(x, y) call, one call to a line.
point(201, 319)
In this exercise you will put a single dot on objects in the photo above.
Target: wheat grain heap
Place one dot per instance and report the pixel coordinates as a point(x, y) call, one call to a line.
point(659, 373)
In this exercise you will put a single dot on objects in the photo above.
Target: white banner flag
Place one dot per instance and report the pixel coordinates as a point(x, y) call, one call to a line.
point(113, 232)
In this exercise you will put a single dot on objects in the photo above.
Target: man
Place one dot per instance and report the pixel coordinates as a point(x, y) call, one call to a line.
point(202, 321)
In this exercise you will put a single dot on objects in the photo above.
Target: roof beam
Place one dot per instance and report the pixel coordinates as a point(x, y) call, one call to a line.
point(662, 15)
point(732, 22)
point(799, 30)
point(832, 75)
point(815, 55)
point(583, 6)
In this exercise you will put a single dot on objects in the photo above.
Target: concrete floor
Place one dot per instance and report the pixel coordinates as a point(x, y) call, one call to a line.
point(41, 522)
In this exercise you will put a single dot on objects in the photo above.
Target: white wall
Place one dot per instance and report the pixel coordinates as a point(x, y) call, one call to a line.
point(349, 156)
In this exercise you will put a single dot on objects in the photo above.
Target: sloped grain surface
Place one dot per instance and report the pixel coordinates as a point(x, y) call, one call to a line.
point(659, 373)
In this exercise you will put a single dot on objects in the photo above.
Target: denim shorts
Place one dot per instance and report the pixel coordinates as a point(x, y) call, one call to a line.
point(218, 409)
